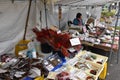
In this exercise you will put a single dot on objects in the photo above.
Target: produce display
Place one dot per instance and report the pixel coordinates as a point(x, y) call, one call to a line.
point(81, 75)
point(84, 66)
point(95, 58)
point(53, 62)
point(63, 76)
point(88, 67)
point(96, 31)
point(100, 37)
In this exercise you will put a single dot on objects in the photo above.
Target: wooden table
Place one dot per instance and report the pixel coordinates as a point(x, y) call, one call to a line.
point(99, 46)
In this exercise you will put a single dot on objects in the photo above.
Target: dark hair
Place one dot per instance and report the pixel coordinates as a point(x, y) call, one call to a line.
point(78, 15)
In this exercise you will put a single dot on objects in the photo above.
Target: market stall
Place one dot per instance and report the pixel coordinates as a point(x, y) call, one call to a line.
point(53, 53)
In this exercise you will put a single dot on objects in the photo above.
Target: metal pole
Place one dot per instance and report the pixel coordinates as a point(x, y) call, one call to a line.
point(41, 19)
point(59, 24)
point(119, 36)
point(59, 14)
point(118, 49)
point(111, 51)
point(26, 24)
point(45, 13)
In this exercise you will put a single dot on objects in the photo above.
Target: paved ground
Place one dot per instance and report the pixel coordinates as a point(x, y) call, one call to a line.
point(114, 69)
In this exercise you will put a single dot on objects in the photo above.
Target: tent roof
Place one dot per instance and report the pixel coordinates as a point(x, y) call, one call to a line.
point(85, 2)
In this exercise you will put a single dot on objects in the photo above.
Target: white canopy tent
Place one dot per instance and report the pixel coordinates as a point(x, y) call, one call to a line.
point(12, 23)
point(13, 17)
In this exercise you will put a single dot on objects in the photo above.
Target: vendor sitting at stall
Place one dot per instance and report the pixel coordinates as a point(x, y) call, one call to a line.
point(78, 20)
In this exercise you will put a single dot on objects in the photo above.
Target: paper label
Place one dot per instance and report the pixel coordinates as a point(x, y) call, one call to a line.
point(84, 29)
point(81, 75)
point(75, 41)
point(49, 67)
point(18, 75)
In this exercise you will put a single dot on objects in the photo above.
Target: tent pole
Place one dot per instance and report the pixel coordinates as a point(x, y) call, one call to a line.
point(45, 13)
point(26, 24)
point(46, 17)
point(111, 51)
point(59, 23)
point(41, 18)
point(118, 49)
point(119, 36)
point(59, 14)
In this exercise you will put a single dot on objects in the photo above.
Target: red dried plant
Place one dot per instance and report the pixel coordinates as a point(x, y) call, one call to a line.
point(57, 41)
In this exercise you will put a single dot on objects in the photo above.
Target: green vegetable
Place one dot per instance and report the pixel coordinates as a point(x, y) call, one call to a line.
point(93, 56)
